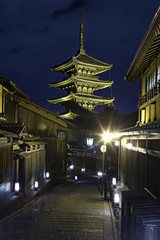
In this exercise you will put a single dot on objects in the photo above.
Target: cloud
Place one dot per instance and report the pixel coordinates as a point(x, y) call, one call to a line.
point(74, 5)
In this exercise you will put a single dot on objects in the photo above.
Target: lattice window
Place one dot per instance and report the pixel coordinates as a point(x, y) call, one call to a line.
point(158, 73)
point(150, 81)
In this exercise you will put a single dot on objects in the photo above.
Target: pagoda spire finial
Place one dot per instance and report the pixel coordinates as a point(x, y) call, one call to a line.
point(81, 32)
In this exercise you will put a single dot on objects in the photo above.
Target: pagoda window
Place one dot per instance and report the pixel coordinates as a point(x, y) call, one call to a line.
point(79, 89)
point(90, 90)
point(80, 70)
point(84, 71)
point(84, 89)
point(85, 105)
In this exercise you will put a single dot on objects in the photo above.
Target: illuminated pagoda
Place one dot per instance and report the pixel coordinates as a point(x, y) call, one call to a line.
point(82, 80)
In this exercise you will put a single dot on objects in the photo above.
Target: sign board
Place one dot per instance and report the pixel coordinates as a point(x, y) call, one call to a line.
point(61, 136)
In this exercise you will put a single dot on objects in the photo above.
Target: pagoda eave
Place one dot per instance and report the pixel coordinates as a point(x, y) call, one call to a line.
point(72, 80)
point(81, 98)
point(69, 115)
point(62, 99)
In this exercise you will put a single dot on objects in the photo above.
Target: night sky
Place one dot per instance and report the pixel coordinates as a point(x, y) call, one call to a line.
point(44, 33)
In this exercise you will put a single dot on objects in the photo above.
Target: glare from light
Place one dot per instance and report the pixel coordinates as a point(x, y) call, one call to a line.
point(129, 145)
point(16, 188)
point(116, 198)
point(100, 174)
point(107, 136)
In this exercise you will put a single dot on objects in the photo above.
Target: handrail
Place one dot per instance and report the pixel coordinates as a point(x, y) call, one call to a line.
point(150, 94)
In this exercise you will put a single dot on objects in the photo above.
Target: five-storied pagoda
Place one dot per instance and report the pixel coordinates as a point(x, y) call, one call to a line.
point(82, 81)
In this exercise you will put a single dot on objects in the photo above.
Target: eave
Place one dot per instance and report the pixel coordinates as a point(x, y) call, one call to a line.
point(86, 81)
point(93, 98)
point(82, 97)
point(148, 50)
point(69, 115)
point(62, 99)
point(10, 86)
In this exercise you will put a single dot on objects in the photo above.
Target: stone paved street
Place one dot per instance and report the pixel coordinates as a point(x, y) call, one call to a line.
point(69, 211)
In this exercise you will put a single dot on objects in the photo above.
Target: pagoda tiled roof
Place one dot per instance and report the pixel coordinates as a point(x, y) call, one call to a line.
point(84, 59)
point(69, 115)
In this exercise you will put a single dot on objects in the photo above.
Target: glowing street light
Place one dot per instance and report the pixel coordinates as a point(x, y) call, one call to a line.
point(36, 185)
point(116, 143)
point(129, 145)
point(71, 167)
point(100, 174)
point(16, 187)
point(116, 199)
point(106, 137)
point(114, 182)
point(47, 175)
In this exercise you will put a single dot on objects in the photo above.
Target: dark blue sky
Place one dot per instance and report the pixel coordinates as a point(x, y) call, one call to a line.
point(46, 33)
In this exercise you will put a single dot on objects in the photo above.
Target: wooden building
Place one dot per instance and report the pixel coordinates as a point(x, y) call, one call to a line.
point(139, 151)
point(33, 140)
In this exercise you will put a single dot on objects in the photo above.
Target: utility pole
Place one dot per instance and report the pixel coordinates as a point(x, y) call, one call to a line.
point(14, 52)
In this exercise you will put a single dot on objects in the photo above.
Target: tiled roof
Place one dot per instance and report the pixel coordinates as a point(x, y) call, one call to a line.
point(8, 84)
point(148, 50)
point(84, 58)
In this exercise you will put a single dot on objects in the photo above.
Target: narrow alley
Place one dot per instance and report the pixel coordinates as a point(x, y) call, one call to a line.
point(70, 211)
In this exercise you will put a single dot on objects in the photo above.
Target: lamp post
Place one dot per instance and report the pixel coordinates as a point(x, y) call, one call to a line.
point(106, 138)
point(103, 150)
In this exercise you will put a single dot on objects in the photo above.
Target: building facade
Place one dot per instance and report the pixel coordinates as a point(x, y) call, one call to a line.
point(33, 140)
point(139, 151)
